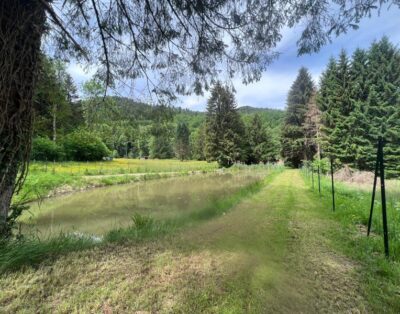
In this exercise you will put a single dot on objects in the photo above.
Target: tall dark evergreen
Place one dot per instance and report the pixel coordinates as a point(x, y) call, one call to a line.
point(182, 141)
point(360, 101)
point(383, 102)
point(312, 128)
point(260, 143)
point(161, 145)
point(360, 148)
point(224, 130)
point(293, 134)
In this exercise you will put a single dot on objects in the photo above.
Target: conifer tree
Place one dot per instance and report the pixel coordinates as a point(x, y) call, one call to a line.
point(257, 141)
point(358, 119)
point(293, 136)
point(312, 128)
point(360, 101)
point(224, 130)
point(182, 141)
point(335, 102)
point(199, 143)
point(383, 102)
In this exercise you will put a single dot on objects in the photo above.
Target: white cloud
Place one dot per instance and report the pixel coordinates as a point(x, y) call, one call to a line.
point(80, 73)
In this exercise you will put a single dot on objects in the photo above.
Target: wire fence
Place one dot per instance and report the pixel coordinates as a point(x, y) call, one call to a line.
point(374, 208)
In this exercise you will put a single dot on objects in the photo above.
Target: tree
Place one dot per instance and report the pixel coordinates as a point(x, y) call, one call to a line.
point(161, 144)
point(383, 103)
point(53, 99)
point(312, 129)
point(132, 39)
point(293, 135)
point(224, 130)
point(199, 143)
point(182, 141)
point(258, 141)
point(359, 100)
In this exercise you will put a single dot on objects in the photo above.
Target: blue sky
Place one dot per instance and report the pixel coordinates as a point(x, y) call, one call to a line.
point(272, 89)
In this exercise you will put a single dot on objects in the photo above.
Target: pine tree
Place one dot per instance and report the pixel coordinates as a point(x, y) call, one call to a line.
point(334, 101)
point(293, 136)
point(358, 119)
point(224, 130)
point(360, 101)
point(256, 138)
point(161, 145)
point(383, 102)
point(199, 143)
point(312, 128)
point(182, 141)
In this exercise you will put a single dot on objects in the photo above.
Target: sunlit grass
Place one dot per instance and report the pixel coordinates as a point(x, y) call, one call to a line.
point(122, 166)
point(45, 177)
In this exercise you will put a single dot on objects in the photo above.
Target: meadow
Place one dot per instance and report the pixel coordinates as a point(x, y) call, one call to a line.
point(251, 249)
point(52, 178)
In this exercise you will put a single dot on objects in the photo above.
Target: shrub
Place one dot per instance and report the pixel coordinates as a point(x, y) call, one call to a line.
point(44, 149)
point(85, 146)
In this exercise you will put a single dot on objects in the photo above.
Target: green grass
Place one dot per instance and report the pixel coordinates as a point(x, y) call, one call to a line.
point(278, 249)
point(381, 275)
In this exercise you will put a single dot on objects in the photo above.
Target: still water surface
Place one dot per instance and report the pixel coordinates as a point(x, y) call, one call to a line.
point(99, 210)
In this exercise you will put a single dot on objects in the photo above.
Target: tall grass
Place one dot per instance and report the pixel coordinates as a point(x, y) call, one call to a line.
point(381, 275)
point(353, 208)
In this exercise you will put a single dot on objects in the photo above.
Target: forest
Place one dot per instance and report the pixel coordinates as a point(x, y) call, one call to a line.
point(337, 115)
point(93, 127)
point(196, 156)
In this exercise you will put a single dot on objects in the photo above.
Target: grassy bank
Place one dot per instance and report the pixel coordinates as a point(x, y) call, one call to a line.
point(381, 275)
point(270, 253)
point(47, 178)
point(32, 251)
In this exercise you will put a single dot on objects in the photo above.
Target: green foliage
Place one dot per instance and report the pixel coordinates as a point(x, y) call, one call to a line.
point(44, 149)
point(55, 93)
point(161, 146)
point(83, 145)
point(198, 143)
point(182, 141)
point(224, 130)
point(262, 146)
point(359, 100)
point(293, 133)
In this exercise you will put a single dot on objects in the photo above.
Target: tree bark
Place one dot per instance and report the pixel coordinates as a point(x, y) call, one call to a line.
point(22, 23)
point(54, 123)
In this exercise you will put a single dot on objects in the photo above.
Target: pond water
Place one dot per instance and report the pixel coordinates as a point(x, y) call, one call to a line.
point(96, 211)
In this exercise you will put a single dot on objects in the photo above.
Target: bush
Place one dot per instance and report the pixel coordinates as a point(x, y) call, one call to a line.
point(84, 146)
point(44, 149)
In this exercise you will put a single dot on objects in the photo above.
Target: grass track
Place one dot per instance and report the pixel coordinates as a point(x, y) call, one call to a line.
point(271, 253)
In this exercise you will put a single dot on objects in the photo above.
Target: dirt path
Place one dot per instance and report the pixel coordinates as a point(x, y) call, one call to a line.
point(269, 254)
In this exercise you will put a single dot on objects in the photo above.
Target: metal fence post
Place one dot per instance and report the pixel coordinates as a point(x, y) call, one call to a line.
point(333, 186)
point(383, 196)
point(373, 191)
point(319, 181)
point(312, 175)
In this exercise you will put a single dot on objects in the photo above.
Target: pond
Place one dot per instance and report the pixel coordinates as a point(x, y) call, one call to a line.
point(96, 211)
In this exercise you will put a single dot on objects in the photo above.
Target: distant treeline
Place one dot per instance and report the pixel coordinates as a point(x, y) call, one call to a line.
point(358, 100)
point(70, 128)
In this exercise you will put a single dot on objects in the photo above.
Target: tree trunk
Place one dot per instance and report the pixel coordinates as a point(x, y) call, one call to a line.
point(21, 27)
point(54, 123)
